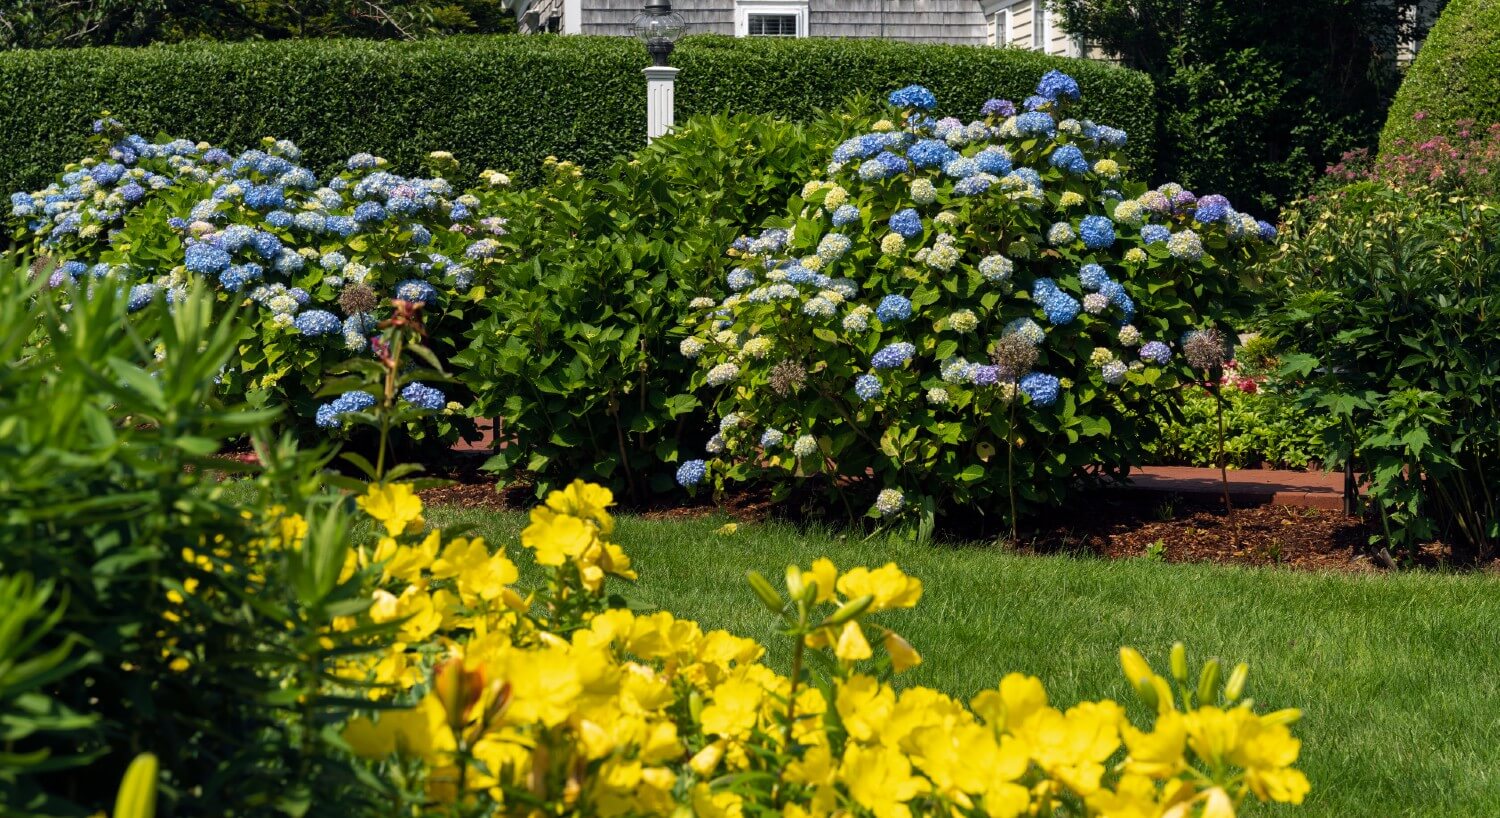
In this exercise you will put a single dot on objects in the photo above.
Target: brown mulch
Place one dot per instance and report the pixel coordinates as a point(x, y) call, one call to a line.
point(1117, 524)
point(1178, 530)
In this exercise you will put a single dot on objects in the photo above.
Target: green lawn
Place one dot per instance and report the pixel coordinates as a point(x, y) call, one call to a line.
point(1399, 676)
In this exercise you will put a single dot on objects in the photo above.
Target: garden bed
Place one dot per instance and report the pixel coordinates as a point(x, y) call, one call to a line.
point(1156, 525)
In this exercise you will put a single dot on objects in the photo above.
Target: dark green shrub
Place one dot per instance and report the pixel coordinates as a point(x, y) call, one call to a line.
point(504, 102)
point(1456, 76)
point(1386, 297)
point(210, 613)
point(576, 349)
point(1260, 427)
point(1254, 99)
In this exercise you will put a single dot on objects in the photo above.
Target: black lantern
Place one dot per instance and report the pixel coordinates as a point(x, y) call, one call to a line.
point(659, 28)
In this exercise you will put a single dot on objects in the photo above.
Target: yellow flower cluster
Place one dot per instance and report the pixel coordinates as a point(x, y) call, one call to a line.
point(554, 702)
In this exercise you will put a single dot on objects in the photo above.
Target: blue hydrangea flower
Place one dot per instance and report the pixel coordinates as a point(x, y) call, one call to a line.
point(205, 259)
point(1092, 277)
point(1211, 208)
point(369, 212)
point(907, 223)
point(893, 308)
point(998, 108)
point(1156, 352)
point(931, 153)
point(691, 473)
point(984, 374)
point(1098, 232)
point(422, 396)
point(140, 296)
point(279, 219)
point(1043, 389)
point(993, 160)
point(974, 185)
point(893, 355)
point(333, 261)
point(265, 197)
point(913, 96)
point(237, 276)
point(289, 262)
point(845, 214)
point(328, 416)
point(317, 322)
point(361, 161)
point(740, 278)
point(1059, 307)
point(867, 387)
point(1266, 230)
point(771, 438)
point(883, 165)
point(1057, 86)
point(420, 236)
point(340, 225)
point(1036, 102)
point(1070, 158)
point(132, 192)
point(417, 290)
point(265, 244)
point(1117, 296)
point(1155, 233)
point(1036, 123)
point(309, 222)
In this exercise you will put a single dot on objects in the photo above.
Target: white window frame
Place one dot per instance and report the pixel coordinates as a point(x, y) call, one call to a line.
point(1041, 26)
point(997, 24)
point(742, 12)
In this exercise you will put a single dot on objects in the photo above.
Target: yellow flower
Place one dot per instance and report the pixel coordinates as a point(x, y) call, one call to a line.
point(880, 779)
point(1018, 697)
point(710, 804)
point(864, 705)
point(1072, 747)
point(852, 645)
point(1158, 754)
point(586, 501)
point(395, 505)
point(825, 575)
point(421, 731)
point(887, 584)
point(1134, 796)
point(903, 656)
point(406, 563)
point(555, 537)
point(734, 710)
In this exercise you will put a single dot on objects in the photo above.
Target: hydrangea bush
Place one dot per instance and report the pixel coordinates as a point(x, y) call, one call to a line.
point(966, 311)
point(320, 259)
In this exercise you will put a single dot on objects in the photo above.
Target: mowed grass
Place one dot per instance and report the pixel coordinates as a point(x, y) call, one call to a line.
point(1398, 675)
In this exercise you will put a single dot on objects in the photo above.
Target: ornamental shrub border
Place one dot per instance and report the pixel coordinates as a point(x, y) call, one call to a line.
point(1455, 77)
point(505, 102)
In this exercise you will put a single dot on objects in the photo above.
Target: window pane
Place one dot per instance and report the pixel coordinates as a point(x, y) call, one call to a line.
point(773, 25)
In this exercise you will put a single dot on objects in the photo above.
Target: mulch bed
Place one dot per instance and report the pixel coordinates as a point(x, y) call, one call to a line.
point(1118, 524)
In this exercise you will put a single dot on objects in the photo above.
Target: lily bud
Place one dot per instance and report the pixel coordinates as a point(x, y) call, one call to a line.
point(903, 655)
point(768, 596)
point(1236, 684)
point(1134, 665)
point(1208, 683)
point(847, 611)
point(1179, 663)
point(794, 584)
point(1146, 692)
point(1288, 716)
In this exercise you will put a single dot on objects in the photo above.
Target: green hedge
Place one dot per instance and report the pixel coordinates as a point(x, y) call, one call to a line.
point(1455, 76)
point(495, 101)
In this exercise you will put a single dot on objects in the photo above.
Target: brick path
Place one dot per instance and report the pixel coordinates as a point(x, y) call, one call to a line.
point(1307, 489)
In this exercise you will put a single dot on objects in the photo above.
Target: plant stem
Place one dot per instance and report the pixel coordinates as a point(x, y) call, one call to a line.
point(1234, 541)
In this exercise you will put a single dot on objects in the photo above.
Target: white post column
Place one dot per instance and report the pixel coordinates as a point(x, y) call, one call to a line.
point(661, 85)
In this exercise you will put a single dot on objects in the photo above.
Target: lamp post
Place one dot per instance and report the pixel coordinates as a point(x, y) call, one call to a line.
point(659, 28)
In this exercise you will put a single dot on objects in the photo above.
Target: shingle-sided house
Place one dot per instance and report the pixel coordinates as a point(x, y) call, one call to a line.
point(1016, 23)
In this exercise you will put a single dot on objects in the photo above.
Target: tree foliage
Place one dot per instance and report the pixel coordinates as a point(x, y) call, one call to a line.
point(49, 24)
point(1256, 98)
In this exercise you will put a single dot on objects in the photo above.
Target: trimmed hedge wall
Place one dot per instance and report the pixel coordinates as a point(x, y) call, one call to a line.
point(495, 101)
point(1455, 76)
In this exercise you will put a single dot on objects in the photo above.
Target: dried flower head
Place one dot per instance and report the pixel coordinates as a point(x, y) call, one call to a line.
point(1204, 349)
point(1014, 355)
point(357, 298)
point(788, 378)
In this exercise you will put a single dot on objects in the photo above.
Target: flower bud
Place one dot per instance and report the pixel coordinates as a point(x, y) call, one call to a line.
point(1288, 716)
point(767, 594)
point(794, 584)
point(847, 611)
point(1179, 663)
point(1208, 683)
point(1236, 684)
